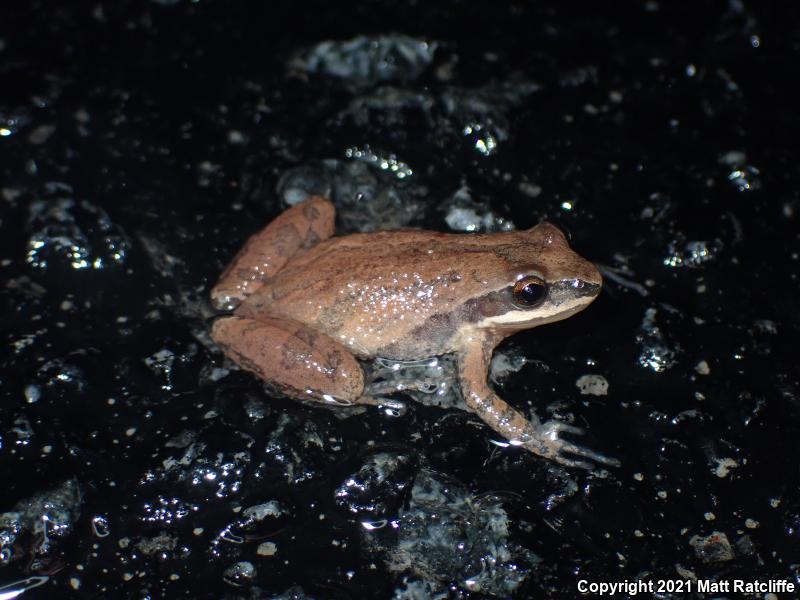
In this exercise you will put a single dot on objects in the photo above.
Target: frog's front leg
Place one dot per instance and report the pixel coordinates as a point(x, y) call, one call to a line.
point(298, 361)
point(292, 232)
point(537, 437)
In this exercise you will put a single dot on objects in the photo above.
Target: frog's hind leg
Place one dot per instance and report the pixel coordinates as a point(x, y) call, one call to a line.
point(298, 361)
point(291, 233)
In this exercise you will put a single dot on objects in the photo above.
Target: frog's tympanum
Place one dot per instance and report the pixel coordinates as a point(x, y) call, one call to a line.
point(307, 305)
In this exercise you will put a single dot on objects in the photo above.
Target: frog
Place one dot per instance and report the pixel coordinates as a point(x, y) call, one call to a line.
point(302, 307)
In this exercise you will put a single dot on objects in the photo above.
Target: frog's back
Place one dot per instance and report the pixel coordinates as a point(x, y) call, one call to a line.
point(372, 291)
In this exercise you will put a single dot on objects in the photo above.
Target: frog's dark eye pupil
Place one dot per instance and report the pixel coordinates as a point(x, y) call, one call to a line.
point(530, 291)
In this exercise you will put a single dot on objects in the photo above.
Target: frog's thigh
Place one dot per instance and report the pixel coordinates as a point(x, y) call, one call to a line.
point(297, 360)
point(292, 232)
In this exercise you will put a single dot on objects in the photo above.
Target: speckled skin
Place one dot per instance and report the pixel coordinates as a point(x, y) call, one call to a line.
point(306, 306)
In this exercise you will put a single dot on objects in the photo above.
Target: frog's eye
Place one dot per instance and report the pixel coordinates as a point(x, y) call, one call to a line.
point(530, 291)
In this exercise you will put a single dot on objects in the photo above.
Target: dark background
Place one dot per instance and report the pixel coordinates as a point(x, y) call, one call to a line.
point(142, 142)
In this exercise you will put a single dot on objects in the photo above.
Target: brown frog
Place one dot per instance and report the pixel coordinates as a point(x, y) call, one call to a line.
point(307, 305)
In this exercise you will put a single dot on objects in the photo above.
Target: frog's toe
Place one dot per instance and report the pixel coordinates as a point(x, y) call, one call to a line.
point(548, 435)
point(582, 452)
point(393, 408)
point(573, 463)
point(552, 429)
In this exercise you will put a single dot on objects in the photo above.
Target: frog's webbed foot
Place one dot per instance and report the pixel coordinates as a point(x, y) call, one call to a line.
point(378, 388)
point(390, 406)
point(545, 440)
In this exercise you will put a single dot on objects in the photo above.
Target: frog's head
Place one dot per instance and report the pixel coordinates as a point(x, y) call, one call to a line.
point(546, 281)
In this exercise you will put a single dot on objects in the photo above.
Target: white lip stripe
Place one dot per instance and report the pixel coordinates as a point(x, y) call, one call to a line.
point(537, 316)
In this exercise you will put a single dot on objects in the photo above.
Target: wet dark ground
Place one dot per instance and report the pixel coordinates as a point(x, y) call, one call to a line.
point(142, 142)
